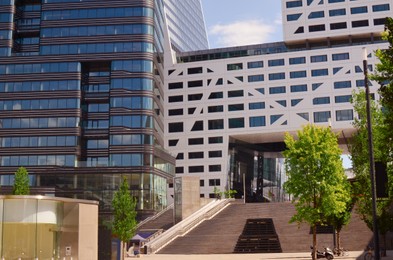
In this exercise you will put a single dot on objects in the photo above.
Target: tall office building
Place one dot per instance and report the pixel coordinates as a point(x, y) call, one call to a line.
point(228, 109)
point(81, 98)
point(186, 25)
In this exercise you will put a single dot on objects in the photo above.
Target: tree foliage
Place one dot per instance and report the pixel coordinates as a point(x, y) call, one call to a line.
point(124, 212)
point(21, 183)
point(316, 176)
point(382, 127)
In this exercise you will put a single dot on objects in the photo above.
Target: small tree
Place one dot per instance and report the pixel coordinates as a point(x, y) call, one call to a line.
point(124, 223)
point(21, 183)
point(316, 177)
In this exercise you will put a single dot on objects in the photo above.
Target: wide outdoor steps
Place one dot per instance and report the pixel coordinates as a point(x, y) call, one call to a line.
point(220, 234)
point(165, 221)
point(258, 236)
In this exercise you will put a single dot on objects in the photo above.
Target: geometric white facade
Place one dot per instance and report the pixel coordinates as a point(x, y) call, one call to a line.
point(254, 94)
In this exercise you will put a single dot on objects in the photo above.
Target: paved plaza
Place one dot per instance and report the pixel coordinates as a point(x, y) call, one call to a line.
point(352, 255)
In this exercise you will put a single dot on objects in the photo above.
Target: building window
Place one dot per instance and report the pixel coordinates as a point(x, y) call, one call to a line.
point(317, 14)
point(274, 118)
point(294, 102)
point(362, 23)
point(342, 84)
point(299, 30)
point(359, 10)
point(335, 1)
point(198, 126)
point(215, 154)
point(175, 85)
point(175, 112)
point(214, 182)
point(256, 121)
point(255, 64)
point(337, 12)
point(173, 142)
point(277, 90)
point(197, 70)
point(175, 127)
point(179, 170)
point(321, 100)
point(256, 78)
point(173, 99)
point(319, 72)
point(293, 4)
point(340, 56)
point(297, 60)
point(338, 26)
point(180, 156)
point(316, 28)
point(299, 88)
point(216, 95)
point(195, 83)
point(323, 116)
point(342, 99)
point(235, 93)
point(381, 8)
point(380, 21)
point(195, 169)
point(236, 122)
point(277, 76)
point(236, 107)
point(318, 58)
point(293, 17)
point(216, 124)
point(216, 140)
point(195, 97)
point(195, 155)
point(278, 62)
point(195, 141)
point(256, 105)
point(215, 168)
point(344, 115)
point(235, 66)
point(215, 109)
point(298, 74)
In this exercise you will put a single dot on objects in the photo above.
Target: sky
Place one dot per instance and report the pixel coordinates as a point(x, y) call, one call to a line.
point(235, 23)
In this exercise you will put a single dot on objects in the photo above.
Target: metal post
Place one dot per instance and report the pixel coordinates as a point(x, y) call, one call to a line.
point(371, 156)
point(244, 188)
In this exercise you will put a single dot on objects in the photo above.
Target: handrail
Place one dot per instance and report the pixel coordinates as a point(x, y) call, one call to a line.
point(154, 217)
point(186, 225)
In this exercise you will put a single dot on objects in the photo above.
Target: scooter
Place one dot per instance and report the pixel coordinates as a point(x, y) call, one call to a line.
point(328, 253)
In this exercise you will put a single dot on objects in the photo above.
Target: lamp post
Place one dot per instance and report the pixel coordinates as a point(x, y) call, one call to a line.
point(371, 158)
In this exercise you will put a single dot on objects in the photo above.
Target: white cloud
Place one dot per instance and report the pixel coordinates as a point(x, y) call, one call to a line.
point(242, 33)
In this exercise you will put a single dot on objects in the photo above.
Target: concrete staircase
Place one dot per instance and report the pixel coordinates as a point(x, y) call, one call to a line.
point(219, 235)
point(164, 222)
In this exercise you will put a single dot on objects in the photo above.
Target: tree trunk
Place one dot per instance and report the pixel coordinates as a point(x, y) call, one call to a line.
point(338, 242)
point(383, 249)
point(122, 250)
point(314, 242)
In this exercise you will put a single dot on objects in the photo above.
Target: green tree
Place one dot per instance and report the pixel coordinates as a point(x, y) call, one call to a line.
point(21, 183)
point(124, 212)
point(361, 166)
point(316, 177)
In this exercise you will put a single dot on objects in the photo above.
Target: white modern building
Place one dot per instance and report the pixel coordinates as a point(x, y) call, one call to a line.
point(226, 110)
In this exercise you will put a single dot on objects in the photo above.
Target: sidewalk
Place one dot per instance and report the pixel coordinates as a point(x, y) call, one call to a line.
point(352, 255)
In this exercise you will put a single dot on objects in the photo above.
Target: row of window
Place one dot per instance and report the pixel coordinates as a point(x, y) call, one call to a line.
point(27, 86)
point(340, 25)
point(44, 122)
point(38, 141)
point(292, 61)
point(133, 65)
point(217, 124)
point(198, 141)
point(75, 31)
point(32, 104)
point(134, 102)
point(39, 68)
point(97, 13)
point(199, 169)
point(299, 3)
point(59, 85)
point(64, 49)
point(340, 12)
point(38, 160)
point(200, 155)
point(134, 121)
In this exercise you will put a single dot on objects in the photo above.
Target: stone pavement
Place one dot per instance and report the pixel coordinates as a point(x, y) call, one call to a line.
point(352, 255)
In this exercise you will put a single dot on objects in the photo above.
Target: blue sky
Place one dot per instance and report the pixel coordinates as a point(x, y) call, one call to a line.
point(234, 22)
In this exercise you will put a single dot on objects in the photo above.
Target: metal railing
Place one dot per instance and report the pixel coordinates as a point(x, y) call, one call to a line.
point(186, 225)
